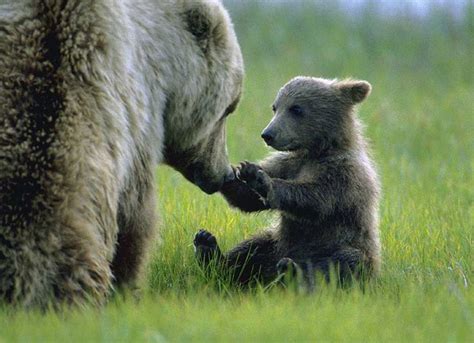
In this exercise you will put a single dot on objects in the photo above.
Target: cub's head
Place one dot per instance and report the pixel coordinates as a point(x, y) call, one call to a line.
point(314, 114)
point(203, 73)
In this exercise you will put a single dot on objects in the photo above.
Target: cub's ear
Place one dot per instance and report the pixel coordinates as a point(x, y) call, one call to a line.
point(356, 91)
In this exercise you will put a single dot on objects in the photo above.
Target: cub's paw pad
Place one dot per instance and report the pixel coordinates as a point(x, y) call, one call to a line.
point(255, 178)
point(205, 239)
point(262, 183)
point(287, 266)
point(205, 246)
point(247, 171)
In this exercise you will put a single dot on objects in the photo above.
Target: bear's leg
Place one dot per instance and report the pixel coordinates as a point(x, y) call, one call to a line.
point(83, 275)
point(56, 271)
point(136, 232)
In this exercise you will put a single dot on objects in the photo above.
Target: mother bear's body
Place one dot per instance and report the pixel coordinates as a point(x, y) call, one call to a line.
point(93, 94)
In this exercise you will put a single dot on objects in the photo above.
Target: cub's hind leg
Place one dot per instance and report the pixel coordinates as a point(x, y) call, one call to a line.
point(254, 259)
point(251, 260)
point(346, 264)
point(290, 273)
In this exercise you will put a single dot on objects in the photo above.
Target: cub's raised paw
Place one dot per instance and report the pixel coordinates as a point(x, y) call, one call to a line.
point(205, 246)
point(255, 178)
point(247, 171)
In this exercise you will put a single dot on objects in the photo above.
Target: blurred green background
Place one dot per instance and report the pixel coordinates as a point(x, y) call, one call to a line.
point(420, 121)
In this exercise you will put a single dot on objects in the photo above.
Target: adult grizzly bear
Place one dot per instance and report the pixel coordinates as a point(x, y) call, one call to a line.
point(93, 94)
point(322, 182)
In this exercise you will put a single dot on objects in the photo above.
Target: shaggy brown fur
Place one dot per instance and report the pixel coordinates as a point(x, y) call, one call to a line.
point(322, 183)
point(93, 94)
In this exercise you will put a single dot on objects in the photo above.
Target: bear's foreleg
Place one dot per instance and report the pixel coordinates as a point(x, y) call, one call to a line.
point(136, 233)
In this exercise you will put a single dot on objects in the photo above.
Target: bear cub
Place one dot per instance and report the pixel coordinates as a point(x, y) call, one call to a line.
point(321, 181)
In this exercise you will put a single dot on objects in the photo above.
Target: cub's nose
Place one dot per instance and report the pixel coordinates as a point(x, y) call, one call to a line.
point(267, 136)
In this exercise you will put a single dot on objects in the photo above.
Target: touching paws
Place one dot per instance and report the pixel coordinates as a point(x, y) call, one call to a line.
point(254, 177)
point(205, 246)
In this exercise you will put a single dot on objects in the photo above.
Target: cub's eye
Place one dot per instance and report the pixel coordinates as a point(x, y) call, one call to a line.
point(296, 110)
point(274, 108)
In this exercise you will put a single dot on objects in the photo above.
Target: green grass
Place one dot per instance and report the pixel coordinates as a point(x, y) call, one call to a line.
point(420, 119)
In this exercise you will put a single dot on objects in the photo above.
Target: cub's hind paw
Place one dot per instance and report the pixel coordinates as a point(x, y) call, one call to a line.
point(205, 238)
point(205, 246)
point(291, 275)
point(287, 266)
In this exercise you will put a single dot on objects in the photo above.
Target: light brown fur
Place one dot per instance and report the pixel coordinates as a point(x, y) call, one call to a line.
point(94, 94)
point(322, 183)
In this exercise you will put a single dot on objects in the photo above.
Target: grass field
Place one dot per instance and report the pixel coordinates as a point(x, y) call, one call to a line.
point(420, 119)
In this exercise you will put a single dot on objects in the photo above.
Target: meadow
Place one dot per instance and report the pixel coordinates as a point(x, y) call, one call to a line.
point(420, 121)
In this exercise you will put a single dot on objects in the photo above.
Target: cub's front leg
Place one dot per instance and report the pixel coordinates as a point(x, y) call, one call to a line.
point(302, 199)
point(239, 194)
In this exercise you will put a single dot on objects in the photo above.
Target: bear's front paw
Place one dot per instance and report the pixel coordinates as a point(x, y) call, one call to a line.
point(205, 246)
point(255, 178)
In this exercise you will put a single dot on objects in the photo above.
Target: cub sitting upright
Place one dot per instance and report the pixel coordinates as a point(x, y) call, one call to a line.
point(321, 181)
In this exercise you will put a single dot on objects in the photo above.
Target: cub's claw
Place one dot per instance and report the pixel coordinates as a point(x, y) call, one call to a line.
point(287, 266)
point(248, 171)
point(255, 178)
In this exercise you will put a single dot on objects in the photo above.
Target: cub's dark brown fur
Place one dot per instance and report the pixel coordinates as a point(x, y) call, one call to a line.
point(322, 182)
